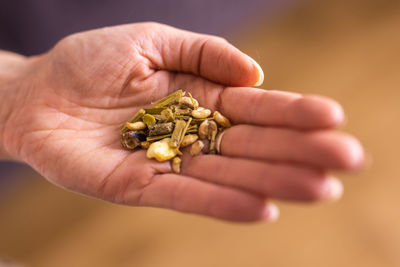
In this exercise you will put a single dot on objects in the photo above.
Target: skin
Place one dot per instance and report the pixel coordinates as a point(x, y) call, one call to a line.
point(61, 113)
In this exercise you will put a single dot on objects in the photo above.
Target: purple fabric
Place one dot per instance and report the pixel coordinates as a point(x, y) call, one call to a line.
point(33, 26)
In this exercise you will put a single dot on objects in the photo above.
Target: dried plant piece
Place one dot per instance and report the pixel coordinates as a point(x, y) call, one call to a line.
point(145, 144)
point(221, 119)
point(154, 111)
point(196, 148)
point(186, 101)
point(194, 101)
point(176, 164)
point(212, 129)
point(157, 137)
point(161, 150)
point(149, 119)
point(188, 140)
point(132, 139)
point(168, 100)
point(161, 128)
point(212, 149)
point(201, 113)
point(179, 132)
point(135, 118)
point(136, 126)
point(203, 129)
point(167, 115)
point(183, 111)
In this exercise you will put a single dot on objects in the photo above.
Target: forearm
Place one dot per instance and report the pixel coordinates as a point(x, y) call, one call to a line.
point(11, 66)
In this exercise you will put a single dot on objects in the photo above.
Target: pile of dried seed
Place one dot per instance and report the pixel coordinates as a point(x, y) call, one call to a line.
point(173, 122)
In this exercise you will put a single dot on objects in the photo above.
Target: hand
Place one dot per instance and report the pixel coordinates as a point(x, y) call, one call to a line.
point(71, 102)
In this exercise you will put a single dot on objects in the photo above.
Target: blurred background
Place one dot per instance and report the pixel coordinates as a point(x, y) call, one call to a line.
point(345, 49)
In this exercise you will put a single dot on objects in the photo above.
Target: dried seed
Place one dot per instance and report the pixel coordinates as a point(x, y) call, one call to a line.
point(201, 113)
point(135, 118)
point(221, 119)
point(149, 119)
point(206, 129)
point(136, 126)
point(161, 128)
point(212, 142)
point(203, 129)
point(212, 128)
point(188, 140)
point(145, 144)
point(194, 101)
point(196, 148)
point(186, 102)
point(176, 164)
point(161, 150)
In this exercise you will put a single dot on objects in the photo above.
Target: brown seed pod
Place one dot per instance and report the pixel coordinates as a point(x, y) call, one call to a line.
point(176, 164)
point(221, 119)
point(189, 139)
point(196, 148)
point(201, 113)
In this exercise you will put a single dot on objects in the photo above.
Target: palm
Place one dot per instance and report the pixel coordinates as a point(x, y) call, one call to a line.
point(96, 80)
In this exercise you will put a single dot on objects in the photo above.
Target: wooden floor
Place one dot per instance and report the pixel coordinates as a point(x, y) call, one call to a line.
point(348, 50)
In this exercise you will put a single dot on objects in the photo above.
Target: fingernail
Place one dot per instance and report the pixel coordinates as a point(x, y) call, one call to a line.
point(271, 213)
point(335, 189)
point(260, 72)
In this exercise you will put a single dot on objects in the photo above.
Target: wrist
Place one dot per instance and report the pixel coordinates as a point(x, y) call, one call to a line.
point(11, 67)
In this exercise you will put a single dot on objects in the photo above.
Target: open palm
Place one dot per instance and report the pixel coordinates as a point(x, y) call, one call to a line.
point(72, 101)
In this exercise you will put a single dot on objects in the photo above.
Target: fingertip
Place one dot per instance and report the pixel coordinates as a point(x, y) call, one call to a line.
point(270, 213)
point(317, 112)
point(258, 71)
point(334, 189)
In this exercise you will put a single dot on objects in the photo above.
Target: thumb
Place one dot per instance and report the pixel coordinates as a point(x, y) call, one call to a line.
point(208, 56)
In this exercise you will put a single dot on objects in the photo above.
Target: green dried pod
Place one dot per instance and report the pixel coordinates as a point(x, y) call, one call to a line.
point(149, 119)
point(157, 137)
point(135, 118)
point(179, 132)
point(154, 111)
point(168, 100)
point(161, 128)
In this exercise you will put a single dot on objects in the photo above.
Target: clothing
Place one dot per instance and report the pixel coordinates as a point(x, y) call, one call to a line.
point(34, 26)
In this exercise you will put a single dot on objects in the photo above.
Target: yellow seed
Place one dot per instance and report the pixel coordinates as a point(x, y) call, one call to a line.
point(201, 113)
point(161, 150)
point(189, 139)
point(145, 144)
point(196, 148)
point(203, 129)
point(176, 164)
point(221, 119)
point(135, 126)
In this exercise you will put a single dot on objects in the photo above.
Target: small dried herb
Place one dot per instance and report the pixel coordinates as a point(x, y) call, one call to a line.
point(173, 122)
